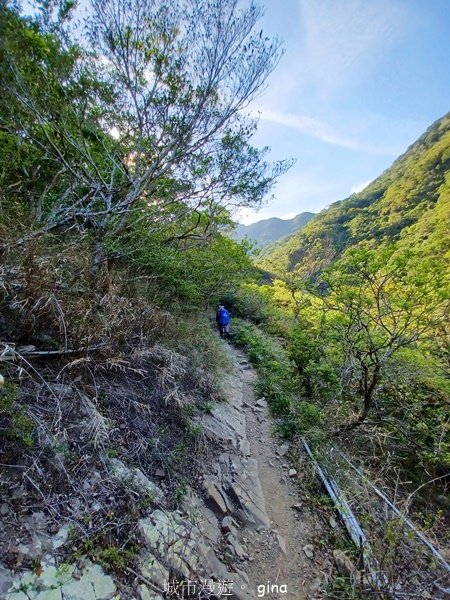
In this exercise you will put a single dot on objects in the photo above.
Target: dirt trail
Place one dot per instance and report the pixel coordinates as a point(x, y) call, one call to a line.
point(278, 558)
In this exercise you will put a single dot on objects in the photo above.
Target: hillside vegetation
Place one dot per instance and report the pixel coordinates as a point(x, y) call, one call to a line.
point(270, 230)
point(368, 280)
point(408, 205)
point(359, 301)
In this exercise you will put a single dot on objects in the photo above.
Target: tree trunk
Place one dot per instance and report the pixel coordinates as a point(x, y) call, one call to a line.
point(369, 390)
point(100, 275)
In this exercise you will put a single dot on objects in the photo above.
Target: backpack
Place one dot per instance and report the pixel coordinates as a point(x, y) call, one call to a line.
point(224, 316)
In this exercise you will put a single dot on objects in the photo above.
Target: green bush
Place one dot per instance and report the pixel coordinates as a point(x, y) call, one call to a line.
point(303, 348)
point(309, 353)
point(309, 416)
point(249, 303)
point(259, 305)
point(15, 425)
point(277, 380)
point(323, 381)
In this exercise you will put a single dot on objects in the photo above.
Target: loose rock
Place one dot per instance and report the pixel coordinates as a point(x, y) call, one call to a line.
point(135, 478)
point(344, 565)
point(214, 499)
point(262, 403)
point(281, 543)
point(236, 546)
point(227, 524)
point(283, 449)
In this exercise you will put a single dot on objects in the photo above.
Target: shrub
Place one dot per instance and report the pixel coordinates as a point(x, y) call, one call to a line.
point(309, 353)
point(323, 381)
point(277, 380)
point(15, 424)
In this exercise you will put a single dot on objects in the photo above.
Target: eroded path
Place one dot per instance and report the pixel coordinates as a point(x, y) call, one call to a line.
point(287, 558)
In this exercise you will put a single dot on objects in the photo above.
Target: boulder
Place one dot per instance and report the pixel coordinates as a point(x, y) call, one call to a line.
point(134, 478)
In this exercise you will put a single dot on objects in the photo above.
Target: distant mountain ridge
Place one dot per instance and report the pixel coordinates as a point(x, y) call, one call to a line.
point(267, 231)
point(408, 205)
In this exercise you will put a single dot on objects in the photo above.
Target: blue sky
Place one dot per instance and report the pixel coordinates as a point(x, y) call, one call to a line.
point(359, 82)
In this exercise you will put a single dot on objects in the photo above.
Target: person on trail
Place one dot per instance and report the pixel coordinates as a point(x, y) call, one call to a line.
point(223, 319)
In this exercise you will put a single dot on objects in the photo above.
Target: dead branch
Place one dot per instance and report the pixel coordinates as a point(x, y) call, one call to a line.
point(9, 354)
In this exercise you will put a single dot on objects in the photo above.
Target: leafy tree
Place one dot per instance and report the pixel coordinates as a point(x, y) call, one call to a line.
point(375, 305)
point(187, 255)
point(148, 106)
point(27, 57)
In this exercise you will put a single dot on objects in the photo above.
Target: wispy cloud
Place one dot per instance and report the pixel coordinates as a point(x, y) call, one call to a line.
point(344, 39)
point(328, 88)
point(317, 129)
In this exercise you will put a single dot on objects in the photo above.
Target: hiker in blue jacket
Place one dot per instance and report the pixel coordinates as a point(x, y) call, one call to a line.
point(223, 319)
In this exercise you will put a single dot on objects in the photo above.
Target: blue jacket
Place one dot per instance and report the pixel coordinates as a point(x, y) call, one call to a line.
point(223, 316)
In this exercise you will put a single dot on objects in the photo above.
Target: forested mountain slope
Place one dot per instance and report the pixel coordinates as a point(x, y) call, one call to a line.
point(267, 231)
point(368, 283)
point(409, 204)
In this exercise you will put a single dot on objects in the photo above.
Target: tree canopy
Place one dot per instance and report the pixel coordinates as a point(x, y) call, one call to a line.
point(140, 100)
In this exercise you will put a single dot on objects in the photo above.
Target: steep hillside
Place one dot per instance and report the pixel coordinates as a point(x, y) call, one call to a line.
point(409, 204)
point(368, 283)
point(269, 230)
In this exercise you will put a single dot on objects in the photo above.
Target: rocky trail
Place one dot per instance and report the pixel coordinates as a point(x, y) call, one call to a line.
point(285, 560)
point(244, 532)
point(292, 559)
